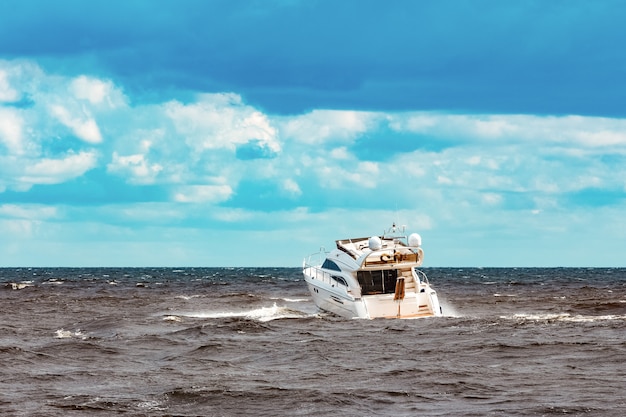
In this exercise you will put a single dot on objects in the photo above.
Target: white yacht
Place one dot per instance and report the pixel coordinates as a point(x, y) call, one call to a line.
point(375, 277)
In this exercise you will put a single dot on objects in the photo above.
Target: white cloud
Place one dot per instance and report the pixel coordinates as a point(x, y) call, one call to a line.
point(600, 138)
point(55, 171)
point(473, 160)
point(136, 166)
point(233, 215)
point(11, 130)
point(359, 174)
point(321, 126)
point(28, 212)
point(18, 229)
point(19, 79)
point(444, 180)
point(93, 90)
point(83, 125)
point(291, 187)
point(492, 127)
point(340, 153)
point(202, 193)
point(7, 92)
point(151, 213)
point(459, 126)
point(589, 132)
point(220, 121)
point(34, 147)
point(491, 198)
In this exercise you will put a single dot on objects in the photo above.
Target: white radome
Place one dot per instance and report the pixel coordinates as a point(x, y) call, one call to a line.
point(415, 240)
point(374, 243)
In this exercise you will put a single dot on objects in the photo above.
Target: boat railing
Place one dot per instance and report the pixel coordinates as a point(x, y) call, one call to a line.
point(315, 258)
point(421, 276)
point(316, 272)
point(326, 277)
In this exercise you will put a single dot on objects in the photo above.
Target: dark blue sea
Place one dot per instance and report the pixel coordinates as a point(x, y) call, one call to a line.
point(250, 342)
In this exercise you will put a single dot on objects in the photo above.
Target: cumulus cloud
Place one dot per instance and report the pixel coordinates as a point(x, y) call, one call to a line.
point(41, 116)
point(340, 153)
point(360, 174)
point(255, 149)
point(185, 143)
point(7, 92)
point(202, 193)
point(54, 171)
point(505, 129)
point(31, 211)
point(136, 167)
point(83, 125)
point(93, 90)
point(19, 228)
point(11, 131)
point(491, 198)
point(21, 173)
point(221, 121)
point(291, 187)
point(321, 126)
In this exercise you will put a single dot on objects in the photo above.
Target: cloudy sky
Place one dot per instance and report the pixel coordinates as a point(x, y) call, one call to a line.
point(252, 132)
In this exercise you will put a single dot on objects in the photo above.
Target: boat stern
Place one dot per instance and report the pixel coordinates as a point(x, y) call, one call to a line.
point(413, 305)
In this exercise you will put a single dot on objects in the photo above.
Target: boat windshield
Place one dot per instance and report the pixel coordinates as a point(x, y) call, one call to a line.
point(328, 264)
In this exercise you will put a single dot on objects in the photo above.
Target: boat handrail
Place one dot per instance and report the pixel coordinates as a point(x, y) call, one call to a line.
point(421, 275)
point(316, 258)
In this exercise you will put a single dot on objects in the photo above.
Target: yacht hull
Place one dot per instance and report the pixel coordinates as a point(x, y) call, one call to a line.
point(336, 300)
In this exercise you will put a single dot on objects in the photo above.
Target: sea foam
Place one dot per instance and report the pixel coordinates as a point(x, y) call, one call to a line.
point(260, 314)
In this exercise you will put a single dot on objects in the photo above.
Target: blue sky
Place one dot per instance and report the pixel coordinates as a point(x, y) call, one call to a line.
point(250, 133)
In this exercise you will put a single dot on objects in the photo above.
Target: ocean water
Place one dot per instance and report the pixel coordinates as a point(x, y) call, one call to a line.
point(250, 342)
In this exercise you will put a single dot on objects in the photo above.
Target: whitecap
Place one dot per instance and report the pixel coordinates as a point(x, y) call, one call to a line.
point(186, 297)
point(63, 334)
point(262, 314)
point(150, 405)
point(21, 285)
point(291, 300)
point(68, 334)
point(564, 317)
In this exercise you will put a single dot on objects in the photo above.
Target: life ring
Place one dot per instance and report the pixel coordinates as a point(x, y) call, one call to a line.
point(385, 257)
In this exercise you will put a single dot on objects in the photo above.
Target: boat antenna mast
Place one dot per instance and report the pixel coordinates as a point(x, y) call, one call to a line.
point(395, 230)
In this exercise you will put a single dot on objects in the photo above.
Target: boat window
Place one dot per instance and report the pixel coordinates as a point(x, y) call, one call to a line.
point(339, 280)
point(377, 282)
point(328, 264)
